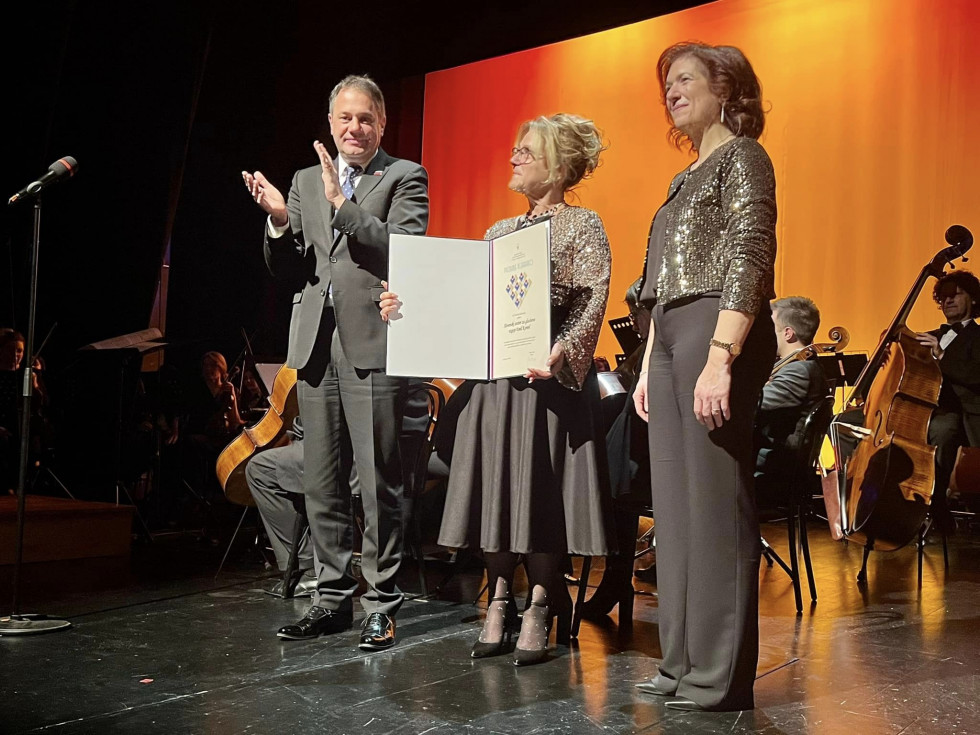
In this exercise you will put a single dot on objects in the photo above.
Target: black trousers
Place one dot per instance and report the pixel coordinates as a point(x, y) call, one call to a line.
point(707, 531)
point(338, 401)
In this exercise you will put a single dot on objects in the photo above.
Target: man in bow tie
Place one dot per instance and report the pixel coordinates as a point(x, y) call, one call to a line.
point(956, 344)
point(330, 239)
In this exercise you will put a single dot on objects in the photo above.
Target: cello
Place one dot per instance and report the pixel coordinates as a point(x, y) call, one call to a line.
point(268, 432)
point(840, 339)
point(887, 485)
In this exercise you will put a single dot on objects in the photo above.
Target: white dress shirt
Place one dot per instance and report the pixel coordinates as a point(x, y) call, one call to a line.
point(950, 335)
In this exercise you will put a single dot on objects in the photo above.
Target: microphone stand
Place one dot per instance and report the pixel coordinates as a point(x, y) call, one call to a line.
point(17, 623)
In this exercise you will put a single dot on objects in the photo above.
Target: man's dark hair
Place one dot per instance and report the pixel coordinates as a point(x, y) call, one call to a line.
point(962, 279)
point(801, 314)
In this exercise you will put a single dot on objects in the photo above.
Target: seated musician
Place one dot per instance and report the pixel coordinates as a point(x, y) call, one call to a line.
point(792, 389)
point(210, 420)
point(956, 344)
point(275, 479)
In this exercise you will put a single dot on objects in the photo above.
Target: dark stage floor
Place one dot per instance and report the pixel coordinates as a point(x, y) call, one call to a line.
point(158, 645)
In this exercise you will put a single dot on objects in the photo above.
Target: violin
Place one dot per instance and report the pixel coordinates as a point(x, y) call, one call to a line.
point(887, 483)
point(268, 432)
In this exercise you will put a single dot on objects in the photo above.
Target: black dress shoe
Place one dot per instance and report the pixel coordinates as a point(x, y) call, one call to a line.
point(317, 621)
point(378, 632)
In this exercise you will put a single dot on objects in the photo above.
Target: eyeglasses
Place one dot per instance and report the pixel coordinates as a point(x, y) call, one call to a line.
point(522, 155)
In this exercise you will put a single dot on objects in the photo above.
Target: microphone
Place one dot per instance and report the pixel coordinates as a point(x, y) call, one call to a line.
point(63, 168)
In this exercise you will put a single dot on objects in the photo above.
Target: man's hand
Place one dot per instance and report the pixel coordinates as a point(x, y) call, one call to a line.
point(390, 304)
point(931, 341)
point(267, 196)
point(554, 363)
point(331, 181)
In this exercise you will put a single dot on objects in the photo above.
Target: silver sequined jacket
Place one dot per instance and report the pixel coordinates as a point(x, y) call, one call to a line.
point(721, 229)
point(580, 264)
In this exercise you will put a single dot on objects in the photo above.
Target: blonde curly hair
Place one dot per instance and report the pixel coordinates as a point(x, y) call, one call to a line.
point(571, 146)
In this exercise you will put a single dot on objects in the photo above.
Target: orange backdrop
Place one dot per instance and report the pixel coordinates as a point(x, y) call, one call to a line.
point(873, 110)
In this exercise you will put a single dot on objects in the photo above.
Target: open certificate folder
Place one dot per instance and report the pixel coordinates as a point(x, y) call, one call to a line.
point(478, 309)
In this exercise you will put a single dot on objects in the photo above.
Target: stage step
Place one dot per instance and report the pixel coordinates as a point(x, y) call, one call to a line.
point(61, 528)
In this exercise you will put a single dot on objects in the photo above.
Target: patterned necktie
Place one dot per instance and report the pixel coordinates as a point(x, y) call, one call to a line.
point(348, 186)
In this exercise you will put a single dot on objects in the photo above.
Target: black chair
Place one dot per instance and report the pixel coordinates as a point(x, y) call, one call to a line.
point(416, 445)
point(795, 474)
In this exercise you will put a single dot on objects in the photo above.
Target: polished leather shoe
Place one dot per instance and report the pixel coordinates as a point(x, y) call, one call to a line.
point(317, 621)
point(378, 632)
point(648, 687)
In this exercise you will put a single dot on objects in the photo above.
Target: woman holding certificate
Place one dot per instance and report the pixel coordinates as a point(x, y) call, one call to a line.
point(709, 278)
point(528, 471)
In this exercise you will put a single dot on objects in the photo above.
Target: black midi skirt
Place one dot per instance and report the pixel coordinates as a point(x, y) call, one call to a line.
point(528, 472)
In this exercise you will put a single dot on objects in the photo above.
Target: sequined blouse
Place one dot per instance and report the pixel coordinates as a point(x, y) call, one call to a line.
point(580, 265)
point(719, 225)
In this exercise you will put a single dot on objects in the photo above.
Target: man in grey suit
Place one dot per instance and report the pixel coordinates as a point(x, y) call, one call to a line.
point(330, 238)
point(795, 388)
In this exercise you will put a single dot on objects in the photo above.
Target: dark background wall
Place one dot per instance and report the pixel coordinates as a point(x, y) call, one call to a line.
point(163, 105)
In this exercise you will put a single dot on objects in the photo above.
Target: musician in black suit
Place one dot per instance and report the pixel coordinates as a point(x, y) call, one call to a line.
point(795, 387)
point(956, 344)
point(330, 238)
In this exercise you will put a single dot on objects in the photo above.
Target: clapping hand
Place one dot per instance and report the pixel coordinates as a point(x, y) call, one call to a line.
point(267, 196)
point(329, 176)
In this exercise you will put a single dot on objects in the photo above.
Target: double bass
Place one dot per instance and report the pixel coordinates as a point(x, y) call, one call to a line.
point(887, 485)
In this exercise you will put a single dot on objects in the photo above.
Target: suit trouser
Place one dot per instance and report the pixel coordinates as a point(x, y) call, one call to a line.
point(336, 401)
point(275, 478)
point(707, 531)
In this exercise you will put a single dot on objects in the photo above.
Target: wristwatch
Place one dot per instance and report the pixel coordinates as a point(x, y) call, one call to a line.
point(733, 348)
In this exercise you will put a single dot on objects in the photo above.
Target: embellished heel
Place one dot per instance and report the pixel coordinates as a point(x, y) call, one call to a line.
point(539, 618)
point(501, 611)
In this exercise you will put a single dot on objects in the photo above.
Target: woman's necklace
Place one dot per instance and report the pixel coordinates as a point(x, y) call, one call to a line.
point(528, 217)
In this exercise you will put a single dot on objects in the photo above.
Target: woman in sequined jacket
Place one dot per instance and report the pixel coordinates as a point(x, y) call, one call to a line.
point(708, 279)
point(528, 472)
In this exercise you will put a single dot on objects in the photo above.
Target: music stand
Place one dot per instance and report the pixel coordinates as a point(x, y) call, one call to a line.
point(127, 347)
point(842, 368)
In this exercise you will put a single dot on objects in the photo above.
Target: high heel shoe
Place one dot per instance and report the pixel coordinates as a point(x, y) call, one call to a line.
point(499, 607)
point(532, 645)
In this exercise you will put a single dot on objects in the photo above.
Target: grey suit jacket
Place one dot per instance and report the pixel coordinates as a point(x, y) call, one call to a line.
point(785, 401)
point(391, 197)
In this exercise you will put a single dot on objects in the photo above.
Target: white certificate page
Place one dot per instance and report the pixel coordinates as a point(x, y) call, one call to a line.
point(520, 295)
point(442, 328)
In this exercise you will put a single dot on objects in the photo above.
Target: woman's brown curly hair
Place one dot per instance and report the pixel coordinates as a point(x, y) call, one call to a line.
point(730, 77)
